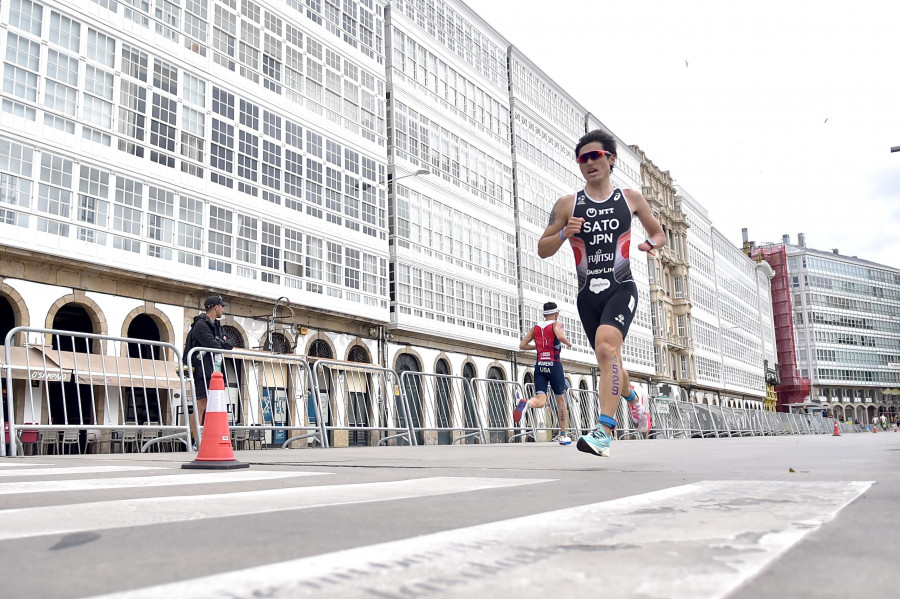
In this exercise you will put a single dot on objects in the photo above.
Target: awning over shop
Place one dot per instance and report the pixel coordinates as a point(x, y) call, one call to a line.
point(48, 364)
point(116, 371)
point(31, 364)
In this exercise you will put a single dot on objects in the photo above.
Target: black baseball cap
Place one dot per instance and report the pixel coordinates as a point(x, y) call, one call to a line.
point(214, 300)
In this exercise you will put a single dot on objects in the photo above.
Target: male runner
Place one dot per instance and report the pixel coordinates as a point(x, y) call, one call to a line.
point(597, 222)
point(546, 338)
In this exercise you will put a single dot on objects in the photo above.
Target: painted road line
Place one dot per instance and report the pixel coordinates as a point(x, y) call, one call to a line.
point(64, 519)
point(4, 464)
point(166, 480)
point(78, 470)
point(701, 540)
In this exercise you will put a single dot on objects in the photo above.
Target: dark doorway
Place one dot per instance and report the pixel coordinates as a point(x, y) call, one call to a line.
point(74, 318)
point(144, 327)
point(320, 349)
point(7, 323)
point(358, 403)
point(144, 406)
point(469, 405)
point(497, 412)
point(409, 363)
point(7, 318)
point(529, 380)
point(442, 401)
point(70, 402)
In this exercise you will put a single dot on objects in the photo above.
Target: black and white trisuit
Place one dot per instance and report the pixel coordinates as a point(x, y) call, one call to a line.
point(607, 293)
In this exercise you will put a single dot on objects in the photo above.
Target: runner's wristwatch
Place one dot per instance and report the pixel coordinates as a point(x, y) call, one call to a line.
point(650, 241)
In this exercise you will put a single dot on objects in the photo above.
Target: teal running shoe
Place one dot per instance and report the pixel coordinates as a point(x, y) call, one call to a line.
point(596, 442)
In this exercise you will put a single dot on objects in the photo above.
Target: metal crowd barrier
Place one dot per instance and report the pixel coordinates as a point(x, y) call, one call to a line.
point(365, 405)
point(585, 410)
point(443, 408)
point(666, 419)
point(81, 390)
point(269, 397)
point(546, 420)
point(627, 427)
point(496, 400)
point(681, 419)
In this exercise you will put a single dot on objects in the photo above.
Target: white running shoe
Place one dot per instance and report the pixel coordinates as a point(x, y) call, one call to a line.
point(638, 410)
point(563, 439)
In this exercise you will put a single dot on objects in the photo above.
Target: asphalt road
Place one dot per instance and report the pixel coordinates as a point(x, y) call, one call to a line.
point(759, 517)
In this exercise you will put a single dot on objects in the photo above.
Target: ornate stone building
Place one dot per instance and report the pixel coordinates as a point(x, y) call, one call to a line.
point(670, 305)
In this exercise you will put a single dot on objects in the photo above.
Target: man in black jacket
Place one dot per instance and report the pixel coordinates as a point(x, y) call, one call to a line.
point(206, 331)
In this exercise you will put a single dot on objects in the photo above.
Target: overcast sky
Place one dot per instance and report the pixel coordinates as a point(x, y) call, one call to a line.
point(775, 115)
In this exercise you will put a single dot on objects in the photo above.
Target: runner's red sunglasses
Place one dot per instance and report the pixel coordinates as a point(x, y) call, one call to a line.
point(592, 155)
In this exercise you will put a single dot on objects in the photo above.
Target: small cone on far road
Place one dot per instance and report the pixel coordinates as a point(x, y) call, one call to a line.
point(874, 428)
point(215, 451)
point(837, 429)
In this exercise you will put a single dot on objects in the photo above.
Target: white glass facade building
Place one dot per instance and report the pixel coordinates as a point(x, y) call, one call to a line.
point(237, 143)
point(847, 330)
point(453, 269)
point(732, 326)
point(546, 125)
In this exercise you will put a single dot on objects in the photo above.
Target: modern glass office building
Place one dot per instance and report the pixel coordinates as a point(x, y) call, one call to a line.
point(846, 314)
point(731, 316)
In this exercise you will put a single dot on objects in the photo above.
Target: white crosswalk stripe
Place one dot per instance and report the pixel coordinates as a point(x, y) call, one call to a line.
point(95, 484)
point(730, 529)
point(739, 527)
point(75, 470)
point(80, 517)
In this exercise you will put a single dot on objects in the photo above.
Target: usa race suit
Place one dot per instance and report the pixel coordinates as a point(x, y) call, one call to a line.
point(548, 369)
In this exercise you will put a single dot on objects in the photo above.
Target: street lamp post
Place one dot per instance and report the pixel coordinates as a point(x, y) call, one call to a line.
point(421, 171)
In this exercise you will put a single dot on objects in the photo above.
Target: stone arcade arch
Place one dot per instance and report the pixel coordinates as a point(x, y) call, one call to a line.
point(358, 353)
point(65, 313)
point(146, 404)
point(71, 402)
point(320, 348)
point(13, 311)
point(141, 322)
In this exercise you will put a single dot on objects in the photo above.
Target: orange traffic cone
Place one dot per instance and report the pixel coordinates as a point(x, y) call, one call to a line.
point(215, 446)
point(837, 429)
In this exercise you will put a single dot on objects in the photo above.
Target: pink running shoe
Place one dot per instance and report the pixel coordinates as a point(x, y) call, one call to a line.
point(639, 414)
point(521, 406)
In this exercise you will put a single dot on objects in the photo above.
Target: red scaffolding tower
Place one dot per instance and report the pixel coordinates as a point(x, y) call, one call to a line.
point(793, 388)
